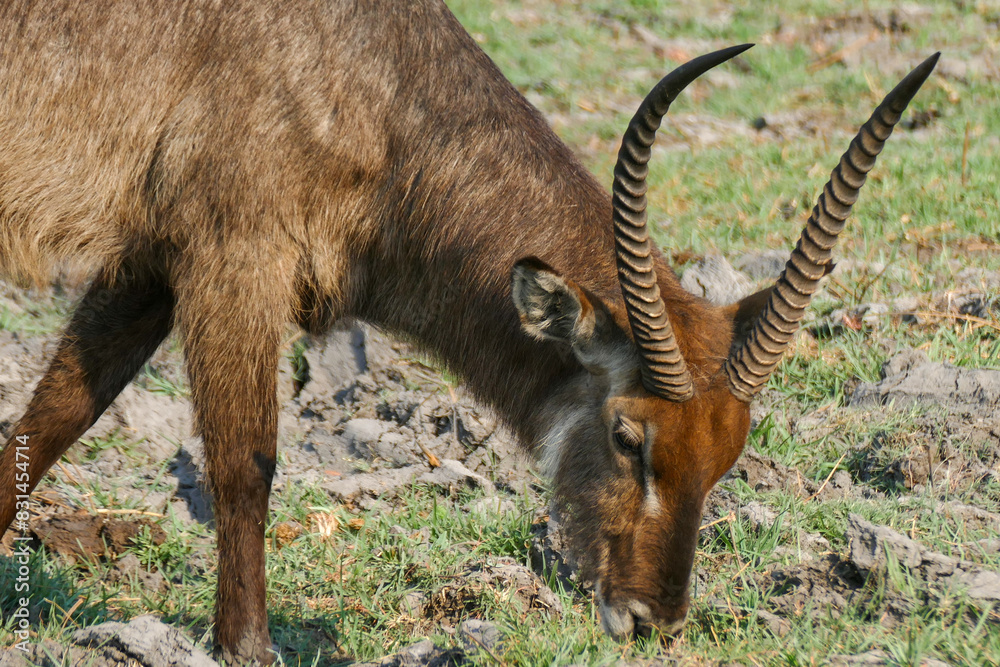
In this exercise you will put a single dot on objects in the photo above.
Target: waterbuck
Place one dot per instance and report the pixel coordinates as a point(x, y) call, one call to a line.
point(229, 167)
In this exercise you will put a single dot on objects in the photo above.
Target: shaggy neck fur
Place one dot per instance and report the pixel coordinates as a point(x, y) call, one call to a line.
point(469, 197)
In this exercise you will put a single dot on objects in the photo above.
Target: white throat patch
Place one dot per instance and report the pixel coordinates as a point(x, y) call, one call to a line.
point(556, 439)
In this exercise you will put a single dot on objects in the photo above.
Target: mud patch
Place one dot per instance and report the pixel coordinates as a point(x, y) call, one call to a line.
point(933, 460)
point(519, 586)
point(509, 582)
point(827, 588)
point(911, 378)
point(876, 658)
point(956, 441)
point(831, 586)
point(450, 605)
point(764, 474)
point(142, 642)
point(969, 516)
point(713, 278)
point(83, 536)
point(872, 547)
point(48, 653)
point(550, 551)
point(423, 654)
point(363, 418)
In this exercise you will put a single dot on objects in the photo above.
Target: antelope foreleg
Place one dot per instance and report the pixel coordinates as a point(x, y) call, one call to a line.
point(233, 322)
point(116, 327)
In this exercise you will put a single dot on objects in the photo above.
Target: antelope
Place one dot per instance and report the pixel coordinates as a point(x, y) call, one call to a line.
point(228, 168)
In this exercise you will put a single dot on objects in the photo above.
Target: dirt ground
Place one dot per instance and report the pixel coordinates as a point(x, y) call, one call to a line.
point(366, 418)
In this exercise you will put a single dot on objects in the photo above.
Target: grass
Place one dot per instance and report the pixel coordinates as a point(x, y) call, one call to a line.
point(94, 448)
point(725, 196)
point(153, 380)
point(39, 317)
point(927, 214)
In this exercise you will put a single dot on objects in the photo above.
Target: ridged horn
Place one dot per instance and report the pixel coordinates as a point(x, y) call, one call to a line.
point(664, 372)
point(750, 366)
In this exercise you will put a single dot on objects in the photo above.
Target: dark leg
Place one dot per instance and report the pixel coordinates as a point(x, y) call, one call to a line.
point(233, 319)
point(114, 330)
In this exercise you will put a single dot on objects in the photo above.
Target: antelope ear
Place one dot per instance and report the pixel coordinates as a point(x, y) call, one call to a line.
point(551, 307)
point(556, 308)
point(744, 314)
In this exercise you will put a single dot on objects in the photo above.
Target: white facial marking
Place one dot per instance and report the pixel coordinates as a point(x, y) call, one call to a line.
point(556, 439)
point(652, 505)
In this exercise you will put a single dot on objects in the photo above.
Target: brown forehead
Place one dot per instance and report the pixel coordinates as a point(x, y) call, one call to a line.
point(706, 433)
point(639, 405)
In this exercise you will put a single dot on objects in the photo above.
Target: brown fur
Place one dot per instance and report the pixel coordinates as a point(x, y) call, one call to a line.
point(231, 166)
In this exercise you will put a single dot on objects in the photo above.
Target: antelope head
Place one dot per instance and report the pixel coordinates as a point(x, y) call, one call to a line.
point(659, 408)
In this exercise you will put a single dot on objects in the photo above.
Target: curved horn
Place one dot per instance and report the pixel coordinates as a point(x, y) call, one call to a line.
point(751, 365)
point(664, 372)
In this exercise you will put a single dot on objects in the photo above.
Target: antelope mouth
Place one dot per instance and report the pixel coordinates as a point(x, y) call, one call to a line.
point(625, 618)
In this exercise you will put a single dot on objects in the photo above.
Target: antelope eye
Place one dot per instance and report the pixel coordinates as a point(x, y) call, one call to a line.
point(627, 437)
